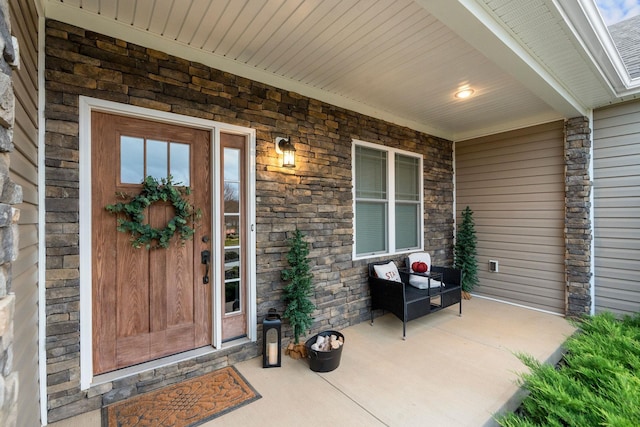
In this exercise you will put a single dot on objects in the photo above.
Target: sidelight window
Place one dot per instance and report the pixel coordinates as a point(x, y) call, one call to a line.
point(232, 230)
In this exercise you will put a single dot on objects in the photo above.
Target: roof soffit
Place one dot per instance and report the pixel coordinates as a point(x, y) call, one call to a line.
point(471, 20)
point(81, 18)
point(519, 85)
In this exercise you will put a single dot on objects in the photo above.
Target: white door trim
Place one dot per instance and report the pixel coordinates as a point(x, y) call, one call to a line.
point(86, 106)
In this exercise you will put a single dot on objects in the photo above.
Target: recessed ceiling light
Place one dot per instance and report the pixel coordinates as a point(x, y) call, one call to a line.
point(464, 93)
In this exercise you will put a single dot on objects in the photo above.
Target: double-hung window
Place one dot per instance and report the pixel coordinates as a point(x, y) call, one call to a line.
point(387, 199)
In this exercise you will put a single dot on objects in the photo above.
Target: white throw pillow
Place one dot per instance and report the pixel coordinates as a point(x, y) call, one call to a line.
point(387, 271)
point(419, 281)
point(420, 257)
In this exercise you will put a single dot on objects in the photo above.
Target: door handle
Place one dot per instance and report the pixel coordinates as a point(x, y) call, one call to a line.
point(205, 258)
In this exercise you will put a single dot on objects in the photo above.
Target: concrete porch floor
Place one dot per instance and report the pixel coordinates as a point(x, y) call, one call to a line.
point(450, 371)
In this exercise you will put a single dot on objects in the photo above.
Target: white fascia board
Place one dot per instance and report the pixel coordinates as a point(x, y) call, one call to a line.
point(588, 27)
point(90, 21)
point(476, 26)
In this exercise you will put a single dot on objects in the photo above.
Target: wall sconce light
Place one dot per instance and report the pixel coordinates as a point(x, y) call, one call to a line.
point(288, 151)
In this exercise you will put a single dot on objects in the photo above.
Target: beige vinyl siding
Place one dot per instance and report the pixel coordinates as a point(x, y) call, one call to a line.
point(616, 142)
point(24, 171)
point(514, 183)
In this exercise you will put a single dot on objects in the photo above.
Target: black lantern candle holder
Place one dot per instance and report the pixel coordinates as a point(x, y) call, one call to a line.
point(271, 340)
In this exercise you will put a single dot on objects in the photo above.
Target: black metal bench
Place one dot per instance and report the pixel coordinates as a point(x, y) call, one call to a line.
point(408, 302)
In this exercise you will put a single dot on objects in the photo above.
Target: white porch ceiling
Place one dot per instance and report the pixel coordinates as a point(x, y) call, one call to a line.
point(398, 60)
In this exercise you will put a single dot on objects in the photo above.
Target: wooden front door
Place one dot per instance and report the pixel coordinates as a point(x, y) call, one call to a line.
point(147, 303)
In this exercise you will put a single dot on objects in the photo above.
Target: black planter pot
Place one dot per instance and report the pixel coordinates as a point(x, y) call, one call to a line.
point(324, 361)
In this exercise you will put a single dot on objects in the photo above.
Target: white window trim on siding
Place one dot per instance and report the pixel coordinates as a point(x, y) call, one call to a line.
point(86, 106)
point(391, 197)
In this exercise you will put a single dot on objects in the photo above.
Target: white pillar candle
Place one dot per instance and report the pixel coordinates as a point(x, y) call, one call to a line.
point(272, 351)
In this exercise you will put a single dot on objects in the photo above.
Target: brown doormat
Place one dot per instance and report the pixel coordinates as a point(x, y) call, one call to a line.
point(184, 404)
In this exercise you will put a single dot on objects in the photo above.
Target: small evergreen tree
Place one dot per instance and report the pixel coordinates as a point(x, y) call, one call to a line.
point(299, 289)
point(465, 251)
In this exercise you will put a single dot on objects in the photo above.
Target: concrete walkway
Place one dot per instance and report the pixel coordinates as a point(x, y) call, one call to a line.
point(450, 371)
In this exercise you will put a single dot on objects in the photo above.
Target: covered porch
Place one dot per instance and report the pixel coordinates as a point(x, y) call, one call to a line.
point(451, 371)
point(334, 77)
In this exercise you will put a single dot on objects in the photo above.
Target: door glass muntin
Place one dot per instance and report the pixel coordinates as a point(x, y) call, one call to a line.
point(141, 157)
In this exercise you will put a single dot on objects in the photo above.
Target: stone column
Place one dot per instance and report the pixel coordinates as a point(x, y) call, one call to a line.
point(578, 227)
point(10, 194)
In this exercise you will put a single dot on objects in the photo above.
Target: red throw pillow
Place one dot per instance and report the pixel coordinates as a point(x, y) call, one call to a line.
point(419, 267)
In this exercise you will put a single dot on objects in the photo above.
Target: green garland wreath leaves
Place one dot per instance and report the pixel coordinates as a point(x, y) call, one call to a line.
point(143, 234)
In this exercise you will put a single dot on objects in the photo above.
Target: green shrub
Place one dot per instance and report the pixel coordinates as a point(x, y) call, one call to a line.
point(465, 251)
point(596, 384)
point(298, 292)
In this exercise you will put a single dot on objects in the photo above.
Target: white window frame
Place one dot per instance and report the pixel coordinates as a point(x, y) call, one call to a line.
point(391, 198)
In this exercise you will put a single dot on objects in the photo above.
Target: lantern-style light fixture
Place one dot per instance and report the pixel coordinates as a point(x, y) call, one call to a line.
point(285, 147)
point(271, 340)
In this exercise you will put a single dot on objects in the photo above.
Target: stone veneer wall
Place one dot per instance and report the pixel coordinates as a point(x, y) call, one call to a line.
point(10, 194)
point(316, 196)
point(578, 227)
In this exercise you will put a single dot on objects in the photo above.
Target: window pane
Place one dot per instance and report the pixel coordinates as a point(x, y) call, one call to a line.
point(371, 173)
point(407, 226)
point(231, 270)
point(371, 227)
point(231, 257)
point(231, 230)
point(179, 167)
point(231, 164)
point(231, 197)
point(234, 287)
point(131, 160)
point(231, 296)
point(407, 178)
point(157, 159)
point(378, 194)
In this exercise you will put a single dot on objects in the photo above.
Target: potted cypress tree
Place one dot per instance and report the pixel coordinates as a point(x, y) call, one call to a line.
point(465, 253)
point(296, 294)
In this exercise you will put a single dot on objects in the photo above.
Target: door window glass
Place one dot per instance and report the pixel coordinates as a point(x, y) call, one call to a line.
point(179, 163)
point(131, 159)
point(157, 159)
point(140, 157)
point(232, 230)
point(232, 197)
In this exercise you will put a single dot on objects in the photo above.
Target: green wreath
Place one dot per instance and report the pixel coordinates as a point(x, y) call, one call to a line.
point(155, 191)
